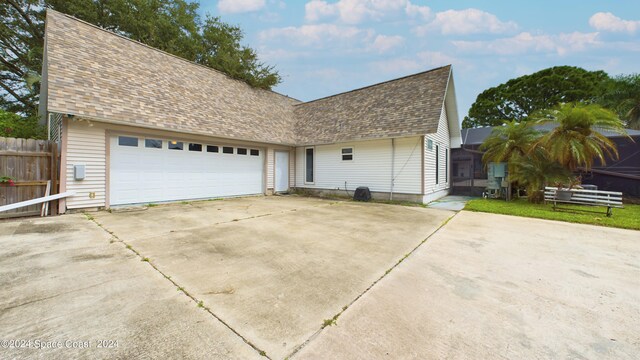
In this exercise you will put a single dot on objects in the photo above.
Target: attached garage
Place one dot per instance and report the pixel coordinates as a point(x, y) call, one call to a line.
point(144, 170)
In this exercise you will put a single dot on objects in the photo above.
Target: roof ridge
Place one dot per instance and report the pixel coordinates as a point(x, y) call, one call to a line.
point(165, 52)
point(376, 84)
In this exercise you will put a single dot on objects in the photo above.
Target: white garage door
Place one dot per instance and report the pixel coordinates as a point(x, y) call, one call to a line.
point(144, 170)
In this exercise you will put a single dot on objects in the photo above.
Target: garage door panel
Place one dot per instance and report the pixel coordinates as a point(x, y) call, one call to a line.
point(143, 175)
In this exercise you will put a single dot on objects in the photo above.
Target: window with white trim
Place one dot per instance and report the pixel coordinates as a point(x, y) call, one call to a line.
point(347, 154)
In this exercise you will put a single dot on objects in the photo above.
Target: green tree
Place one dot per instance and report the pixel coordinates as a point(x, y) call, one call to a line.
point(14, 125)
point(520, 97)
point(575, 142)
point(510, 141)
point(170, 25)
point(622, 95)
point(535, 171)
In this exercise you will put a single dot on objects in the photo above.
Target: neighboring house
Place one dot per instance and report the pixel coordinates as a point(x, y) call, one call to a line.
point(147, 126)
point(621, 174)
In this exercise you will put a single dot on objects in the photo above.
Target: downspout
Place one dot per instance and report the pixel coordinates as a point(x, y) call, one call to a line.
point(393, 158)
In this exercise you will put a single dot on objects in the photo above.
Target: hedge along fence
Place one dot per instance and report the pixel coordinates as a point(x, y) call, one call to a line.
point(30, 163)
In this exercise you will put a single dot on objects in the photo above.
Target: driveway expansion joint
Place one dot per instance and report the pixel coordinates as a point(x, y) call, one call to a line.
point(199, 303)
point(334, 319)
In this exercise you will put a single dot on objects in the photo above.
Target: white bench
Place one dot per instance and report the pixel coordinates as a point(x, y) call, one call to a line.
point(609, 199)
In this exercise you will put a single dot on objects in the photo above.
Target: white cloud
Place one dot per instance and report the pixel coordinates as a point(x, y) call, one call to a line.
point(384, 43)
point(525, 42)
point(352, 11)
point(468, 21)
point(419, 11)
point(317, 34)
point(318, 9)
point(608, 22)
point(239, 6)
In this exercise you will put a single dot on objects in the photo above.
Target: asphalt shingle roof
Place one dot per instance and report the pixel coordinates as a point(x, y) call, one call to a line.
point(401, 107)
point(99, 75)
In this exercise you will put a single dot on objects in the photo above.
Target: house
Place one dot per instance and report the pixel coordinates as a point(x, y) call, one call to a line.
point(137, 125)
point(621, 174)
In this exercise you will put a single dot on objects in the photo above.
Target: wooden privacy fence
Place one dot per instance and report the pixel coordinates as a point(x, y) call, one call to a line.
point(32, 163)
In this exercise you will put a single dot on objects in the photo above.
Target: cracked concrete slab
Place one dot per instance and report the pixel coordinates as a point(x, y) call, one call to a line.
point(499, 287)
point(275, 268)
point(62, 279)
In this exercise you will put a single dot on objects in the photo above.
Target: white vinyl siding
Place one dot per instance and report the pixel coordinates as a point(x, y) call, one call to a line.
point(86, 146)
point(292, 168)
point(371, 166)
point(442, 143)
point(270, 168)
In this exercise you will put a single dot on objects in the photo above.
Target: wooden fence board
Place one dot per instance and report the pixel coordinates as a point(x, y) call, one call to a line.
point(30, 163)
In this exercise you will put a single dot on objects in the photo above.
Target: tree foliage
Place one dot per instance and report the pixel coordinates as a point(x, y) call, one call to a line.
point(577, 140)
point(170, 25)
point(622, 95)
point(14, 125)
point(536, 159)
point(520, 97)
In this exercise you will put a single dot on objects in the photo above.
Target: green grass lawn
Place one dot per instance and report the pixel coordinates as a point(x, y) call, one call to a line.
point(627, 218)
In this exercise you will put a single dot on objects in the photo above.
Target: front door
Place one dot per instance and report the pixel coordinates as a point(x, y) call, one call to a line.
point(282, 171)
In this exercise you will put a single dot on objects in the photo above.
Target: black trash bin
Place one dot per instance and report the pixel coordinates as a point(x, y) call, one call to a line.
point(362, 193)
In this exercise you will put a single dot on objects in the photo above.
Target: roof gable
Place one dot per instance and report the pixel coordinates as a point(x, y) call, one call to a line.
point(96, 74)
point(403, 107)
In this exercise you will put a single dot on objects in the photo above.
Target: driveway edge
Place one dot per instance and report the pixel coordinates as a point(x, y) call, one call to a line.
point(198, 302)
point(334, 319)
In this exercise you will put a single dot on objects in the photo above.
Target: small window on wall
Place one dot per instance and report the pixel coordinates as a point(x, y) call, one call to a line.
point(212, 148)
point(437, 164)
point(242, 151)
point(347, 154)
point(255, 152)
point(176, 145)
point(128, 141)
point(308, 163)
point(195, 147)
point(429, 144)
point(446, 165)
point(153, 144)
point(227, 150)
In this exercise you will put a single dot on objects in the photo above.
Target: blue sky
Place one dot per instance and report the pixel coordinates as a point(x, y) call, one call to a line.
point(325, 47)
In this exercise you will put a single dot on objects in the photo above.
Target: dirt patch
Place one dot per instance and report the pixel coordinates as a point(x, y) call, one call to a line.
point(30, 227)
point(89, 257)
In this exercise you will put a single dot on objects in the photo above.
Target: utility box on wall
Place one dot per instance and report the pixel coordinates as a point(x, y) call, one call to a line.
point(78, 172)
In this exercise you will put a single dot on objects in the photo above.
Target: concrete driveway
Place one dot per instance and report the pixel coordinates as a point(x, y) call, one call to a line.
point(275, 268)
point(241, 278)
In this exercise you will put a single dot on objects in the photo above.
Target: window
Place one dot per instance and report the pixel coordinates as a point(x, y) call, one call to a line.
point(309, 165)
point(176, 145)
point(242, 151)
point(227, 150)
point(212, 148)
point(255, 152)
point(153, 144)
point(446, 165)
point(437, 163)
point(429, 144)
point(195, 147)
point(347, 154)
point(127, 141)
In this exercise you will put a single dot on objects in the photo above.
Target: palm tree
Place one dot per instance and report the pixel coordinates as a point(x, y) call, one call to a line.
point(535, 172)
point(510, 143)
point(576, 141)
point(505, 141)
